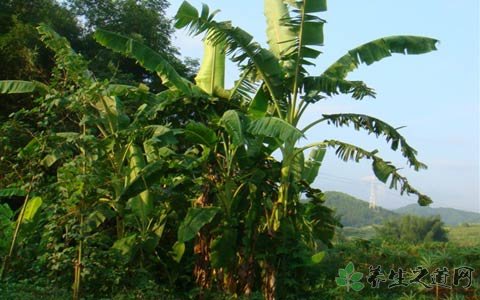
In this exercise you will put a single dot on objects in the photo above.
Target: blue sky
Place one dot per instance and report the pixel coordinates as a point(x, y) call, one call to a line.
point(435, 95)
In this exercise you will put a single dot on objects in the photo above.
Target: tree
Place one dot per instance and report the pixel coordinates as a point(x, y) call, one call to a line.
point(413, 229)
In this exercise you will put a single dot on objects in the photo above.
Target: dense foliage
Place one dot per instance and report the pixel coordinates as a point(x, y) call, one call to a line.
point(132, 190)
point(25, 57)
point(413, 229)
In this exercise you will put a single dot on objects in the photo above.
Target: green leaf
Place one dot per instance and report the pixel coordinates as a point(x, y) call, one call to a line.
point(127, 245)
point(317, 258)
point(233, 124)
point(49, 160)
point(186, 12)
point(342, 273)
point(211, 75)
point(312, 165)
point(313, 33)
point(313, 6)
point(378, 127)
point(141, 205)
point(195, 219)
point(148, 58)
point(21, 87)
point(313, 86)
point(10, 192)
point(178, 250)
point(259, 105)
point(349, 268)
point(144, 180)
point(201, 134)
point(341, 281)
point(280, 37)
point(238, 42)
point(32, 208)
point(382, 170)
point(356, 276)
point(357, 286)
point(96, 218)
point(377, 50)
point(275, 128)
point(223, 248)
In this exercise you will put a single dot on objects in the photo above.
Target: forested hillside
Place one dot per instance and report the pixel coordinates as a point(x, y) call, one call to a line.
point(449, 216)
point(355, 212)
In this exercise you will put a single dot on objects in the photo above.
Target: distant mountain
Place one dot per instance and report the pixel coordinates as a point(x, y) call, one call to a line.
point(449, 216)
point(355, 212)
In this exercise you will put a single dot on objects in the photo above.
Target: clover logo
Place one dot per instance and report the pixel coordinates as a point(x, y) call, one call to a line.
point(349, 278)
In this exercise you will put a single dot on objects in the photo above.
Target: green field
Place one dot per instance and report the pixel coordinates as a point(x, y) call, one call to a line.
point(465, 235)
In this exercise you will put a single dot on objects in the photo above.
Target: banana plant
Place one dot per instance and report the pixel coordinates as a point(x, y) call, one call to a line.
point(294, 32)
point(286, 90)
point(274, 90)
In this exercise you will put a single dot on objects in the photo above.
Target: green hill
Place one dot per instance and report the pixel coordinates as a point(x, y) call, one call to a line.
point(355, 212)
point(449, 216)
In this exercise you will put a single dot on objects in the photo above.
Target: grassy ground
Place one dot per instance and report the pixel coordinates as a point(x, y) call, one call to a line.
point(467, 235)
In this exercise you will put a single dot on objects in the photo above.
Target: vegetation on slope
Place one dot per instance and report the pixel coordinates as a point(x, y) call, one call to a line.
point(355, 212)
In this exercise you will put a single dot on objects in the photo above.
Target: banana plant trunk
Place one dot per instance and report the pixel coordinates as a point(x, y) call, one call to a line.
point(202, 271)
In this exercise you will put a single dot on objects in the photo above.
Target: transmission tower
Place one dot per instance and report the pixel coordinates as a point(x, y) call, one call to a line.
point(373, 194)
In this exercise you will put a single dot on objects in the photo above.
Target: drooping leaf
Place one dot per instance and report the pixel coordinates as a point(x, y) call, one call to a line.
point(196, 218)
point(382, 169)
point(147, 57)
point(377, 50)
point(316, 87)
point(378, 127)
